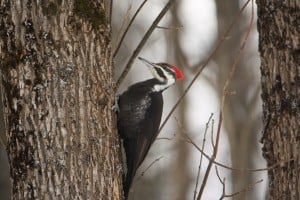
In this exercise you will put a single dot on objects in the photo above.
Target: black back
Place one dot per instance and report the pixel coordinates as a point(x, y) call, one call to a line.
point(138, 123)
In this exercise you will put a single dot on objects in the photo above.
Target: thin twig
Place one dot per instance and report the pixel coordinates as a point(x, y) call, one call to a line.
point(224, 94)
point(219, 177)
point(249, 187)
point(125, 19)
point(170, 28)
point(167, 138)
point(222, 182)
point(143, 41)
point(127, 28)
point(201, 157)
point(149, 166)
point(226, 34)
point(189, 140)
point(212, 133)
point(224, 195)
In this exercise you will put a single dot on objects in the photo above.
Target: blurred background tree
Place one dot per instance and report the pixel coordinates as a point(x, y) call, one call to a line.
point(190, 31)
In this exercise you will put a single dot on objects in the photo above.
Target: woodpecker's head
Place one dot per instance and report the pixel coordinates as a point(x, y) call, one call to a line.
point(165, 73)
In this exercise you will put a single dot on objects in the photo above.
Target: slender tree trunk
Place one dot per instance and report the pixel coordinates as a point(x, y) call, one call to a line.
point(181, 177)
point(241, 119)
point(58, 93)
point(279, 45)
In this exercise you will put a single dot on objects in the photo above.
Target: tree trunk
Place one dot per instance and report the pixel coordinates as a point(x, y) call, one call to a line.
point(58, 93)
point(279, 28)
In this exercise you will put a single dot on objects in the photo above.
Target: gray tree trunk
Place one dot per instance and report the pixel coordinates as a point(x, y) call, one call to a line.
point(58, 93)
point(279, 45)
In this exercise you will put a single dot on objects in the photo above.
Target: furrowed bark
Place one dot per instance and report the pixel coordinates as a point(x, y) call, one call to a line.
point(58, 93)
point(278, 25)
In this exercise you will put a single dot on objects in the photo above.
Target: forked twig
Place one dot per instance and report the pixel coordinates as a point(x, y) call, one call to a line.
point(201, 157)
point(249, 187)
point(221, 181)
point(224, 195)
point(143, 41)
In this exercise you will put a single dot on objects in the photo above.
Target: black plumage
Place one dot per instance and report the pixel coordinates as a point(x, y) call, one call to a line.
point(139, 116)
point(140, 111)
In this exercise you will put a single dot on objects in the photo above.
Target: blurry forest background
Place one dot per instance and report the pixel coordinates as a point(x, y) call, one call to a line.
point(193, 29)
point(186, 37)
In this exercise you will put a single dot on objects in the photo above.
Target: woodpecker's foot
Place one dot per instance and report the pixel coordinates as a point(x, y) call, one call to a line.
point(115, 107)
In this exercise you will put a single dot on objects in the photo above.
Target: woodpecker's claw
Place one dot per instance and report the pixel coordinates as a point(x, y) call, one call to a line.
point(115, 107)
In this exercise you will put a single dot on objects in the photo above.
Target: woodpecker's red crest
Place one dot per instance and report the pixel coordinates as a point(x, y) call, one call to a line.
point(179, 74)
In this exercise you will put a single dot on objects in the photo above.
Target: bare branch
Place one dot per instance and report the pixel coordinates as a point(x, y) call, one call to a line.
point(222, 182)
point(126, 30)
point(143, 41)
point(219, 177)
point(177, 28)
point(201, 157)
point(224, 94)
point(149, 166)
point(224, 195)
point(281, 163)
point(225, 36)
point(125, 19)
point(212, 133)
point(248, 188)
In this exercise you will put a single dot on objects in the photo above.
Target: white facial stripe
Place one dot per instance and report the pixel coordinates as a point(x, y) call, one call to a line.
point(156, 75)
point(164, 85)
point(166, 81)
point(169, 76)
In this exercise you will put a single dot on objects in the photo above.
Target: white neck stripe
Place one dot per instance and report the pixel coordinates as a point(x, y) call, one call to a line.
point(162, 86)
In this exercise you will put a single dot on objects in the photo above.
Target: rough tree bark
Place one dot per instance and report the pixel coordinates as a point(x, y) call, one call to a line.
point(58, 93)
point(279, 45)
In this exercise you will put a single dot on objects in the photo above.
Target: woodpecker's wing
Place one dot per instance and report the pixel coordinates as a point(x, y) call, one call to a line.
point(137, 145)
point(139, 107)
point(133, 108)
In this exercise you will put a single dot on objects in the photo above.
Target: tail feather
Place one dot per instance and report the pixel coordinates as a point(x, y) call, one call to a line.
point(136, 149)
point(132, 165)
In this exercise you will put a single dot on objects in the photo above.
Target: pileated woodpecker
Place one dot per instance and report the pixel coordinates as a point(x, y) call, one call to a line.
point(139, 115)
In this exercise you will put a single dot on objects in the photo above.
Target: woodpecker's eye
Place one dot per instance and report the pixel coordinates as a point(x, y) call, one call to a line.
point(168, 69)
point(160, 72)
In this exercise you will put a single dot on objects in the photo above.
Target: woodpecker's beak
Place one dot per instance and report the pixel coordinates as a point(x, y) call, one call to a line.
point(147, 62)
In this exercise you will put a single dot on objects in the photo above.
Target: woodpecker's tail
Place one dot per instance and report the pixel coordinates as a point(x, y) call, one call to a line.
point(132, 160)
point(136, 149)
point(126, 186)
